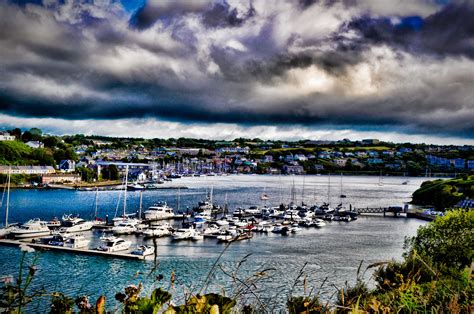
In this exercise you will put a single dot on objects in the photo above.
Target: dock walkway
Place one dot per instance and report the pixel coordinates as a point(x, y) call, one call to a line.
point(70, 250)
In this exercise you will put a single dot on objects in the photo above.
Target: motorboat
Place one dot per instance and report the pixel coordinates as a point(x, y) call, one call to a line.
point(114, 244)
point(186, 234)
point(141, 228)
point(144, 250)
point(295, 228)
point(211, 230)
point(75, 224)
point(319, 223)
point(31, 229)
point(157, 231)
point(124, 227)
point(76, 241)
point(55, 223)
point(159, 211)
point(253, 210)
point(55, 240)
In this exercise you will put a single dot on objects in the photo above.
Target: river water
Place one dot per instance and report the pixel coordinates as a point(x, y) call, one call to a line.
point(331, 254)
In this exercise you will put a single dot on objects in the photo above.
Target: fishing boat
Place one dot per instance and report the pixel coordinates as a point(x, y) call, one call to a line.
point(159, 211)
point(114, 244)
point(143, 250)
point(31, 229)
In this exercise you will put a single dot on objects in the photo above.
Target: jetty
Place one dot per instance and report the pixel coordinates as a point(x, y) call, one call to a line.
point(394, 210)
point(45, 247)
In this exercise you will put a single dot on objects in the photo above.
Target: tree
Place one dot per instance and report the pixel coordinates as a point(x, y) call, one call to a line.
point(447, 240)
point(50, 141)
point(36, 134)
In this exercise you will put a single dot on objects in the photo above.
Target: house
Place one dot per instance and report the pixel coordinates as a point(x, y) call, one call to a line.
point(373, 153)
point(318, 167)
point(267, 158)
point(374, 161)
point(404, 150)
point(291, 169)
point(5, 136)
point(458, 163)
point(361, 154)
point(324, 155)
point(340, 162)
point(27, 169)
point(289, 158)
point(300, 157)
point(35, 144)
point(60, 178)
point(67, 165)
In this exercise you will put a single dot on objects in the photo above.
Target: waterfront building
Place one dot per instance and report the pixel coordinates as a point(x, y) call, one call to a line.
point(27, 169)
point(60, 178)
point(5, 136)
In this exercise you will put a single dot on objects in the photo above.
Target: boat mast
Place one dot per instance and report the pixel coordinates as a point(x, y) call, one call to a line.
point(8, 197)
point(341, 186)
point(140, 208)
point(329, 188)
point(302, 191)
point(96, 200)
point(125, 192)
point(179, 196)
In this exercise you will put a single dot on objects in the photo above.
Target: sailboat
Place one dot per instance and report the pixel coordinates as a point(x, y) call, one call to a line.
point(380, 178)
point(125, 224)
point(7, 229)
point(342, 195)
point(264, 196)
point(97, 220)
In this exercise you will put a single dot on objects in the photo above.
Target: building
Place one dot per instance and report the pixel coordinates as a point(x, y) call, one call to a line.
point(5, 136)
point(291, 169)
point(27, 169)
point(470, 164)
point(67, 165)
point(458, 163)
point(35, 144)
point(340, 162)
point(60, 178)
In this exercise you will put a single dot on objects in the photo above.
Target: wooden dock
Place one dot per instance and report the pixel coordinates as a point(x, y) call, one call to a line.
point(45, 247)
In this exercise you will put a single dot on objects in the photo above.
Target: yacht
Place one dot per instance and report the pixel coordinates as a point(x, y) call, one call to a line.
point(75, 224)
point(159, 211)
point(76, 241)
point(186, 234)
point(144, 250)
point(31, 229)
point(124, 227)
point(113, 244)
point(157, 231)
point(253, 210)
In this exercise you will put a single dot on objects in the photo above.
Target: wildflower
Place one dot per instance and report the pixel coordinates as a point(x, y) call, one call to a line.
point(27, 249)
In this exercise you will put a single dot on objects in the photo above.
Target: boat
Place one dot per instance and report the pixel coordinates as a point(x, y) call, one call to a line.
point(75, 224)
point(318, 223)
point(144, 250)
point(186, 234)
point(76, 241)
point(157, 231)
point(295, 228)
point(125, 227)
point(114, 244)
point(31, 229)
point(253, 210)
point(54, 223)
point(8, 228)
point(55, 240)
point(135, 187)
point(159, 211)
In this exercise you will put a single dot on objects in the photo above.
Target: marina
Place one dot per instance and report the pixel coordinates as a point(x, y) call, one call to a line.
point(333, 248)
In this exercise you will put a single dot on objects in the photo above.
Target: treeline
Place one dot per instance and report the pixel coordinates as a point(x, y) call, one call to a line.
point(444, 193)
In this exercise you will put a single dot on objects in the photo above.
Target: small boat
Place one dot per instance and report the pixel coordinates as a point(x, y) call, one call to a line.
point(31, 229)
point(318, 223)
point(264, 197)
point(186, 234)
point(135, 187)
point(295, 228)
point(55, 240)
point(113, 244)
point(76, 241)
point(144, 250)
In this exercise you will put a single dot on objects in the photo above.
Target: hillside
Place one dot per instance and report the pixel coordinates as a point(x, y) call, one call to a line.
point(444, 193)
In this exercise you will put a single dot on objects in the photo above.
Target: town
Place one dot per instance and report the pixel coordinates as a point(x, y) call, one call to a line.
point(46, 159)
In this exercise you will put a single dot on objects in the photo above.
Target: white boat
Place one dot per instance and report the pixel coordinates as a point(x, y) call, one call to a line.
point(144, 250)
point(157, 231)
point(31, 229)
point(125, 227)
point(75, 224)
point(76, 241)
point(295, 228)
point(211, 230)
point(8, 228)
point(159, 211)
point(253, 210)
point(141, 228)
point(222, 222)
point(55, 223)
point(114, 244)
point(319, 223)
point(186, 234)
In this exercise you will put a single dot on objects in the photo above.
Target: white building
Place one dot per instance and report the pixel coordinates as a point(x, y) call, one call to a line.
point(5, 136)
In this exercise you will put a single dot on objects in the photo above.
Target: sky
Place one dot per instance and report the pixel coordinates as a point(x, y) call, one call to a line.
point(301, 69)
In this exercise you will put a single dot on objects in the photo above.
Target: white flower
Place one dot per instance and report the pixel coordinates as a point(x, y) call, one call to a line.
point(26, 248)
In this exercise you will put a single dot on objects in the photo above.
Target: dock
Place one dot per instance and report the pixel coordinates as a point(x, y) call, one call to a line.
point(45, 247)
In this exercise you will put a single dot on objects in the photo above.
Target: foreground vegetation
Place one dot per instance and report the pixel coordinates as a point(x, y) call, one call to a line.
point(434, 276)
point(444, 193)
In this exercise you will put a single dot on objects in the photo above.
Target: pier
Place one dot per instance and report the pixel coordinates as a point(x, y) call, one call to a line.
point(395, 210)
point(45, 247)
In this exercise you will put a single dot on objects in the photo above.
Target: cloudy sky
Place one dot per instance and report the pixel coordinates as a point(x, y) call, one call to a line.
point(322, 69)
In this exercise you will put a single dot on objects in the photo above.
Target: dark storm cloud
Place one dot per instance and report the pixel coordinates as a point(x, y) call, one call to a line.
point(447, 32)
point(247, 62)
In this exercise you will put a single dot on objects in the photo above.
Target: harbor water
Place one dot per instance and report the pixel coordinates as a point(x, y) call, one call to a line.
point(331, 254)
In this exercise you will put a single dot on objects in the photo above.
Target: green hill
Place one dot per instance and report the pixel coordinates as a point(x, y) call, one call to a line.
point(444, 193)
